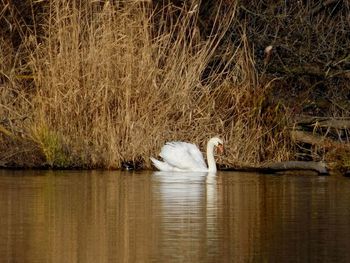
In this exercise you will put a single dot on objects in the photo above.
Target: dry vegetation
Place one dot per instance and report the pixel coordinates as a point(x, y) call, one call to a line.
point(95, 84)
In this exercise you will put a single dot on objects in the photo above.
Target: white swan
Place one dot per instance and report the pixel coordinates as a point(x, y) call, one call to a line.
point(186, 157)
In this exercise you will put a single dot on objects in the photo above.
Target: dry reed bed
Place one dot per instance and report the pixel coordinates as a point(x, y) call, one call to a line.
point(112, 83)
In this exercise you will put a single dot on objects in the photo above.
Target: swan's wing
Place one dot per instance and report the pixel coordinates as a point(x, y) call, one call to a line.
point(197, 155)
point(162, 166)
point(183, 156)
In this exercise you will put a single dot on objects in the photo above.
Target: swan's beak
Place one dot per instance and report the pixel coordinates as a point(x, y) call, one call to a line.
point(220, 149)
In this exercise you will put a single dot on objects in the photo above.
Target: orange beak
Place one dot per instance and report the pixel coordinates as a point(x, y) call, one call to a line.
point(220, 149)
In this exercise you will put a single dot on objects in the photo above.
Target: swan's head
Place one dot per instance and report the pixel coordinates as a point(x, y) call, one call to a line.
point(217, 142)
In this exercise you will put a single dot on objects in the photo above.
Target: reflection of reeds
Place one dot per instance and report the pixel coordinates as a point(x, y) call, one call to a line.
point(112, 83)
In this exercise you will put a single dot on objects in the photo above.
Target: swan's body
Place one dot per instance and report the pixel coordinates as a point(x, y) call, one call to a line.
point(186, 157)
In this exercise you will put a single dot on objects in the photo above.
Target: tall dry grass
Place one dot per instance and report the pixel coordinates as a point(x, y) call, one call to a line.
point(114, 82)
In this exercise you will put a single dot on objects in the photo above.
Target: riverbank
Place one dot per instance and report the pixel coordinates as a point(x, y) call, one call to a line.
point(97, 85)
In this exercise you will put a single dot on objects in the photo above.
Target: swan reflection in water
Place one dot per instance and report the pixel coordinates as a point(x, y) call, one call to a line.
point(185, 186)
point(188, 211)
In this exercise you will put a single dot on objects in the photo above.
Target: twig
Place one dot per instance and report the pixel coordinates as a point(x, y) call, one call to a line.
point(321, 5)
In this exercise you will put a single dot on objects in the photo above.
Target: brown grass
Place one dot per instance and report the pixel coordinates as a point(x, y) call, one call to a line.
point(112, 83)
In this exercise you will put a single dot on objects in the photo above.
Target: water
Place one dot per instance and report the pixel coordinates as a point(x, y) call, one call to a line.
point(99, 216)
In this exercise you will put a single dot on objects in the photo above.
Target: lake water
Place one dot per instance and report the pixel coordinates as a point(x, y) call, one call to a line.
point(113, 216)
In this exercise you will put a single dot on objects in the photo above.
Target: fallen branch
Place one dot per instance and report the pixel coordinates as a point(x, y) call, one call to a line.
point(309, 138)
point(319, 167)
point(310, 70)
point(312, 120)
point(334, 123)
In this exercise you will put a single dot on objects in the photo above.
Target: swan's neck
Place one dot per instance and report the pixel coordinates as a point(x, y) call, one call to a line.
point(210, 157)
